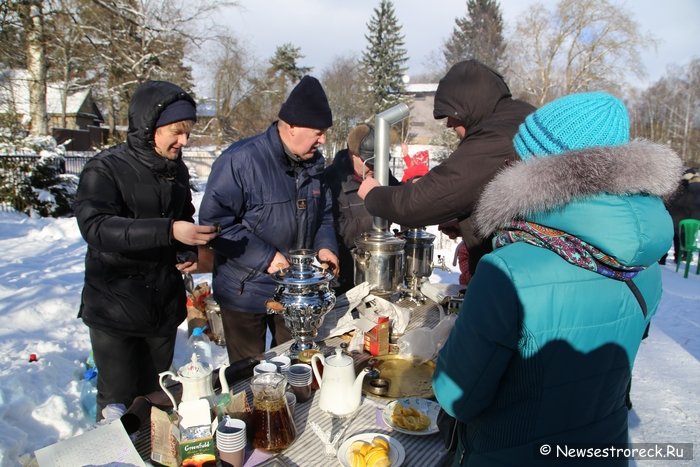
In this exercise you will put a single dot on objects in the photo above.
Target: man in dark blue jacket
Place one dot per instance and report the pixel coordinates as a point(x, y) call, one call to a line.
point(267, 195)
point(134, 209)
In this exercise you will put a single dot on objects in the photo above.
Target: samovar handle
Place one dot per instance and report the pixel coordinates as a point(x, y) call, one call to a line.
point(273, 306)
point(282, 271)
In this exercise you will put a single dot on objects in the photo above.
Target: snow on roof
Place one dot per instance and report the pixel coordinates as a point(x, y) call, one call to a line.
point(14, 95)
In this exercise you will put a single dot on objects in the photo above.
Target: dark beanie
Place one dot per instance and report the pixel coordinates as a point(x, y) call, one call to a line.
point(177, 111)
point(307, 105)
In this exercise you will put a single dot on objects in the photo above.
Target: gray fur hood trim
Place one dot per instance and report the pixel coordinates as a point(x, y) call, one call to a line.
point(543, 184)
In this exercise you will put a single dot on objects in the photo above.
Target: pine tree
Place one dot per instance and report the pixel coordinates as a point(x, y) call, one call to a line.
point(478, 35)
point(383, 60)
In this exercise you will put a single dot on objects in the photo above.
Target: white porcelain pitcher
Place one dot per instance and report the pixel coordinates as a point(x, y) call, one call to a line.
point(341, 391)
point(196, 382)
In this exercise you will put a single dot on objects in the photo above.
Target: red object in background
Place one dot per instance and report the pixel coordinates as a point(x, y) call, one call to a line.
point(33, 358)
point(462, 258)
point(421, 158)
point(414, 171)
point(416, 166)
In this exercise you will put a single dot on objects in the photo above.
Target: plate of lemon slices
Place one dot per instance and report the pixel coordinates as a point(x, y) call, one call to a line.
point(412, 415)
point(371, 449)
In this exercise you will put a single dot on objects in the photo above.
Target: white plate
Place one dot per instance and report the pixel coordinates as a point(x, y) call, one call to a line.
point(428, 407)
point(396, 451)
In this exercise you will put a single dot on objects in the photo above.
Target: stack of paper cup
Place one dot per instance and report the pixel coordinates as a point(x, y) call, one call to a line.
point(231, 442)
point(282, 362)
point(299, 376)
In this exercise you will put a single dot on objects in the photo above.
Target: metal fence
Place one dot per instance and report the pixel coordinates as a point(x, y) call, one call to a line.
point(16, 166)
point(13, 170)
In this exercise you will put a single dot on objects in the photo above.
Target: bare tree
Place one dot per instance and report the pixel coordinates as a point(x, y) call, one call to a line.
point(234, 73)
point(138, 40)
point(581, 45)
point(669, 111)
point(343, 84)
point(130, 41)
point(32, 17)
point(70, 64)
point(11, 34)
point(250, 102)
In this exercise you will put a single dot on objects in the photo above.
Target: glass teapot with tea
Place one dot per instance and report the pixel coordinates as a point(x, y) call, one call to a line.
point(273, 426)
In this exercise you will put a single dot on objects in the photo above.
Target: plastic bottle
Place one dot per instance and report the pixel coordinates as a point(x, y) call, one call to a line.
point(88, 393)
point(112, 412)
point(200, 345)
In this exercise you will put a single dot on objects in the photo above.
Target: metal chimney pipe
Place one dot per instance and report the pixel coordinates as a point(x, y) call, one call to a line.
point(382, 138)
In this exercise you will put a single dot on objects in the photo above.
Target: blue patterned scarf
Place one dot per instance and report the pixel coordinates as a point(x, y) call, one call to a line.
point(572, 249)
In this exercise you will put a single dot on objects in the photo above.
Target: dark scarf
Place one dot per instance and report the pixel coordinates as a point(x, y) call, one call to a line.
point(570, 248)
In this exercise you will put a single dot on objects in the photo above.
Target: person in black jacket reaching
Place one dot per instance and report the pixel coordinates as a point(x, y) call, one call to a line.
point(479, 107)
point(134, 209)
point(350, 217)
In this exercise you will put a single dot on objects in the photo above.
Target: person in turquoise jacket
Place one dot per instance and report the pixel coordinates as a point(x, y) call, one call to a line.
point(541, 354)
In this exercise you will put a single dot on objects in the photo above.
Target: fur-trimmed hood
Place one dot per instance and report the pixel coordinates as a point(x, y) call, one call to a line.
point(547, 183)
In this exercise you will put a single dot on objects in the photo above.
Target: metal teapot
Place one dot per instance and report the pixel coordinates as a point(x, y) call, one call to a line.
point(341, 390)
point(196, 380)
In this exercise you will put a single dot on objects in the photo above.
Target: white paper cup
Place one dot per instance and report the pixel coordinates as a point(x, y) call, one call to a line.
point(264, 367)
point(282, 362)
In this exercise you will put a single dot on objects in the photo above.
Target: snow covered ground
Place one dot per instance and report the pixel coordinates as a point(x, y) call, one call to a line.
point(40, 284)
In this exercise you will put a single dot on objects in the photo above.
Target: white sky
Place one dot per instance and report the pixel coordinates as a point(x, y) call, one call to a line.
point(325, 29)
point(40, 284)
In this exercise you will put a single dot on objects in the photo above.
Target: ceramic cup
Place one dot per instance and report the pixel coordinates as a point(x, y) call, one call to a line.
point(299, 377)
point(264, 367)
point(282, 362)
point(231, 442)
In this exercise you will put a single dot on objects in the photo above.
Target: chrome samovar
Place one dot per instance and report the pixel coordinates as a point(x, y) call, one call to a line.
point(378, 255)
point(379, 260)
point(303, 297)
point(418, 254)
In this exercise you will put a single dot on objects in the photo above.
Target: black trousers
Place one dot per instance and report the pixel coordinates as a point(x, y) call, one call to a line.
point(245, 333)
point(128, 366)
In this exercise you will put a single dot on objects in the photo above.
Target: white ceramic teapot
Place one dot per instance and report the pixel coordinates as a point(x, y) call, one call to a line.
point(196, 382)
point(340, 389)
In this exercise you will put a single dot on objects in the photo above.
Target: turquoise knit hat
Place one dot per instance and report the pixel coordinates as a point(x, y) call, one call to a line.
point(573, 122)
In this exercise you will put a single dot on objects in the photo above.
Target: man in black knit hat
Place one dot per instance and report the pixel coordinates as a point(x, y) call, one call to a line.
point(267, 194)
